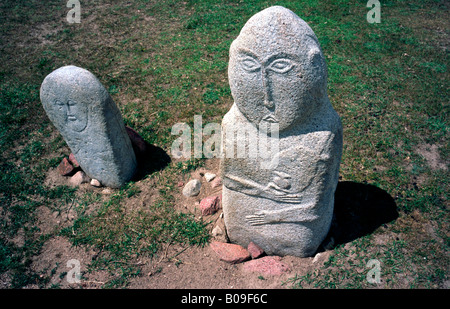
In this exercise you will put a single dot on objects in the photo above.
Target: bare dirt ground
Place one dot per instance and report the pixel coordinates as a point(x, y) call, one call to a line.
point(183, 266)
point(176, 267)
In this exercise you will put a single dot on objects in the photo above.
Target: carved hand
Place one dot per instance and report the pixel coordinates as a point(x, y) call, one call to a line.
point(258, 218)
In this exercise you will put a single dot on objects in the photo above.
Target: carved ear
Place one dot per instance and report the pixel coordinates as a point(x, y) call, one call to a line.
point(313, 53)
point(317, 60)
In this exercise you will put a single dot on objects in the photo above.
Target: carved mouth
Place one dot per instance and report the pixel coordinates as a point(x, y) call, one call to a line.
point(270, 118)
point(71, 118)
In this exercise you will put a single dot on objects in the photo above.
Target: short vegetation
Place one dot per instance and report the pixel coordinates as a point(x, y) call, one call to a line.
point(164, 62)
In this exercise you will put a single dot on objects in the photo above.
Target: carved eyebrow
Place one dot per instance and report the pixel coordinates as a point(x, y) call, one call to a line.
point(248, 60)
point(248, 53)
point(279, 56)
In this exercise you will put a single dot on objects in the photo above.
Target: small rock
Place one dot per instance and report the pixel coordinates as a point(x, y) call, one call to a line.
point(217, 181)
point(95, 183)
point(210, 205)
point(268, 265)
point(317, 257)
point(209, 176)
point(254, 250)
point(230, 253)
point(65, 168)
point(192, 188)
point(79, 178)
point(180, 184)
point(107, 191)
point(73, 160)
point(217, 231)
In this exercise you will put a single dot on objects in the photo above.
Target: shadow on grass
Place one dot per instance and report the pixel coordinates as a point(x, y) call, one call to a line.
point(150, 158)
point(153, 160)
point(359, 209)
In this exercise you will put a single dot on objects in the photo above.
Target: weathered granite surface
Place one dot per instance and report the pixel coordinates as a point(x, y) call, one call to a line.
point(90, 123)
point(277, 75)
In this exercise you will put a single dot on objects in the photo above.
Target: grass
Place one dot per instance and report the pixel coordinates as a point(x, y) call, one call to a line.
point(164, 62)
point(125, 235)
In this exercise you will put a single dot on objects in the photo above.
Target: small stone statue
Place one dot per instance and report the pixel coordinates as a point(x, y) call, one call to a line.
point(277, 75)
point(90, 123)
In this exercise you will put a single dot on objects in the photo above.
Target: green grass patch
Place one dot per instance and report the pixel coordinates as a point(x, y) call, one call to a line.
point(164, 62)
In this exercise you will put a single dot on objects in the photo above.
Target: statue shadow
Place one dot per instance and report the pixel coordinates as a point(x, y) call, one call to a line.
point(150, 160)
point(359, 209)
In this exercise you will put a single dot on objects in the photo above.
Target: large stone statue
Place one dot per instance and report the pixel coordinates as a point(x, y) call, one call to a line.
point(277, 75)
point(90, 123)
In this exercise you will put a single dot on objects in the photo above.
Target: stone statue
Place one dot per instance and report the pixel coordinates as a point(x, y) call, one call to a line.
point(90, 123)
point(277, 75)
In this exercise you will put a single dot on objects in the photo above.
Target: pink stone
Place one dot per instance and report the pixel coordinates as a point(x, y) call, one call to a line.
point(230, 253)
point(73, 160)
point(65, 168)
point(79, 178)
point(209, 205)
point(216, 182)
point(268, 265)
point(255, 250)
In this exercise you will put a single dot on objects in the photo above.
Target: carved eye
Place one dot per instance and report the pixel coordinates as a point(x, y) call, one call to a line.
point(59, 104)
point(281, 65)
point(250, 65)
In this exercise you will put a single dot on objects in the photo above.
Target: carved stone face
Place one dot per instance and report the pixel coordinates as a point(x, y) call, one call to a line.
point(73, 114)
point(91, 124)
point(276, 69)
point(69, 95)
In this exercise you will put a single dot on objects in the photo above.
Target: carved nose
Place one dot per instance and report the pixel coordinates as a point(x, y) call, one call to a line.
point(268, 102)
